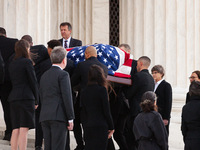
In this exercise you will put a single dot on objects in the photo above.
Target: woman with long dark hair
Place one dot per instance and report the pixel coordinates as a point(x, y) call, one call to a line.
point(148, 128)
point(95, 114)
point(24, 95)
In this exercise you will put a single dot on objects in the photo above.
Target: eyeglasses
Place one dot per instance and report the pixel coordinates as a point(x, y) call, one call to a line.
point(192, 77)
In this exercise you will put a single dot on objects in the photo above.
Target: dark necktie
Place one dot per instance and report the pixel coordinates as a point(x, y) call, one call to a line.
point(65, 45)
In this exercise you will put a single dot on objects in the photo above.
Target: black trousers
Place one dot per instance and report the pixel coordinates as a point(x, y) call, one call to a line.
point(192, 144)
point(5, 90)
point(129, 135)
point(119, 132)
point(78, 135)
point(55, 134)
point(38, 129)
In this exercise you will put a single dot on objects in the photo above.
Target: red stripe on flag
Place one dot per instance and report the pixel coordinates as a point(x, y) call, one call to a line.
point(122, 75)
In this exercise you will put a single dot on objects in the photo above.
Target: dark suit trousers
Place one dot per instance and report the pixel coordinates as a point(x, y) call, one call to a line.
point(38, 129)
point(55, 134)
point(77, 124)
point(129, 135)
point(192, 144)
point(5, 91)
point(119, 132)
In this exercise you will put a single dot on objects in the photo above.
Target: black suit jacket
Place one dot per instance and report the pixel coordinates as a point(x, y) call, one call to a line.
point(24, 82)
point(2, 69)
point(190, 119)
point(56, 97)
point(80, 75)
point(142, 82)
point(7, 48)
point(164, 99)
point(133, 68)
point(73, 42)
point(95, 107)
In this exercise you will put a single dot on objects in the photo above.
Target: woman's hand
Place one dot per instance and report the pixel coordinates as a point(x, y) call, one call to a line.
point(36, 106)
point(110, 133)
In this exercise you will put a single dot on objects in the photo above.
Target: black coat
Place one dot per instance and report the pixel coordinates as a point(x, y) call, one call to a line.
point(56, 97)
point(150, 132)
point(164, 99)
point(2, 69)
point(95, 107)
point(73, 42)
point(133, 68)
point(190, 125)
point(142, 82)
point(24, 82)
point(80, 75)
point(7, 48)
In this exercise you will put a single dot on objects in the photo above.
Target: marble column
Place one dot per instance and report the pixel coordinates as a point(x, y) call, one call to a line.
point(41, 19)
point(167, 31)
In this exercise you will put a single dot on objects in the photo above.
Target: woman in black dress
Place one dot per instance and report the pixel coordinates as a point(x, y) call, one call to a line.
point(24, 95)
point(148, 128)
point(95, 114)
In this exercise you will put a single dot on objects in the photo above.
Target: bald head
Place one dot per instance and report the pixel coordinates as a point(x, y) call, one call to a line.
point(90, 52)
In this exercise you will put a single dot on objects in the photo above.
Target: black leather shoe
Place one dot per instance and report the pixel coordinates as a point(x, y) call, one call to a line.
point(38, 148)
point(79, 147)
point(7, 137)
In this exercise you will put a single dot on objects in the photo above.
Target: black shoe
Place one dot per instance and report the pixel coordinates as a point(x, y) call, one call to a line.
point(38, 148)
point(79, 147)
point(7, 137)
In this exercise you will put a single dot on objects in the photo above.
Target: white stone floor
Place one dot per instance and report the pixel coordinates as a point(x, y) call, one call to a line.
point(175, 136)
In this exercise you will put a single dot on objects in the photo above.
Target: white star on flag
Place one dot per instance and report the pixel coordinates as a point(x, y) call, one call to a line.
point(100, 54)
point(80, 51)
point(116, 57)
point(109, 66)
point(72, 52)
point(77, 60)
point(105, 60)
point(82, 54)
point(110, 52)
point(73, 55)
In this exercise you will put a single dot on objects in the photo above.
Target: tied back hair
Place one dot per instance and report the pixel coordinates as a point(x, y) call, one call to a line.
point(148, 100)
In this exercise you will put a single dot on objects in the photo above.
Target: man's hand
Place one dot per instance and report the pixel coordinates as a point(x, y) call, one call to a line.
point(36, 106)
point(110, 133)
point(71, 125)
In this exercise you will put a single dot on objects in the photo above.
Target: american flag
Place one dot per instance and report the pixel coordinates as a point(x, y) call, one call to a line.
point(117, 60)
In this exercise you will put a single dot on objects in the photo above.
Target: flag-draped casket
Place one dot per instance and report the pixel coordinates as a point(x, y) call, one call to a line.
point(117, 60)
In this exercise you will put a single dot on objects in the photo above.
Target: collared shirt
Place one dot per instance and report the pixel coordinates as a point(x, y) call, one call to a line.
point(68, 41)
point(157, 84)
point(62, 69)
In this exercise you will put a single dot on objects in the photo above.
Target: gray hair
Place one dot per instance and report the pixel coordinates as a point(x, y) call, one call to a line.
point(58, 54)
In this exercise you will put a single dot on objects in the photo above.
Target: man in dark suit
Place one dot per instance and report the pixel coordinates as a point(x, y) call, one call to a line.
point(80, 76)
point(7, 46)
point(67, 41)
point(2, 70)
point(57, 112)
point(142, 82)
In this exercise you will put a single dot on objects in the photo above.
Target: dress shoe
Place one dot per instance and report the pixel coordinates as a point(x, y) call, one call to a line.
point(7, 137)
point(38, 148)
point(79, 147)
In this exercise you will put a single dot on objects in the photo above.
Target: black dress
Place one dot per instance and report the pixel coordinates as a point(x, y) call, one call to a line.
point(24, 93)
point(96, 117)
point(150, 132)
point(190, 125)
